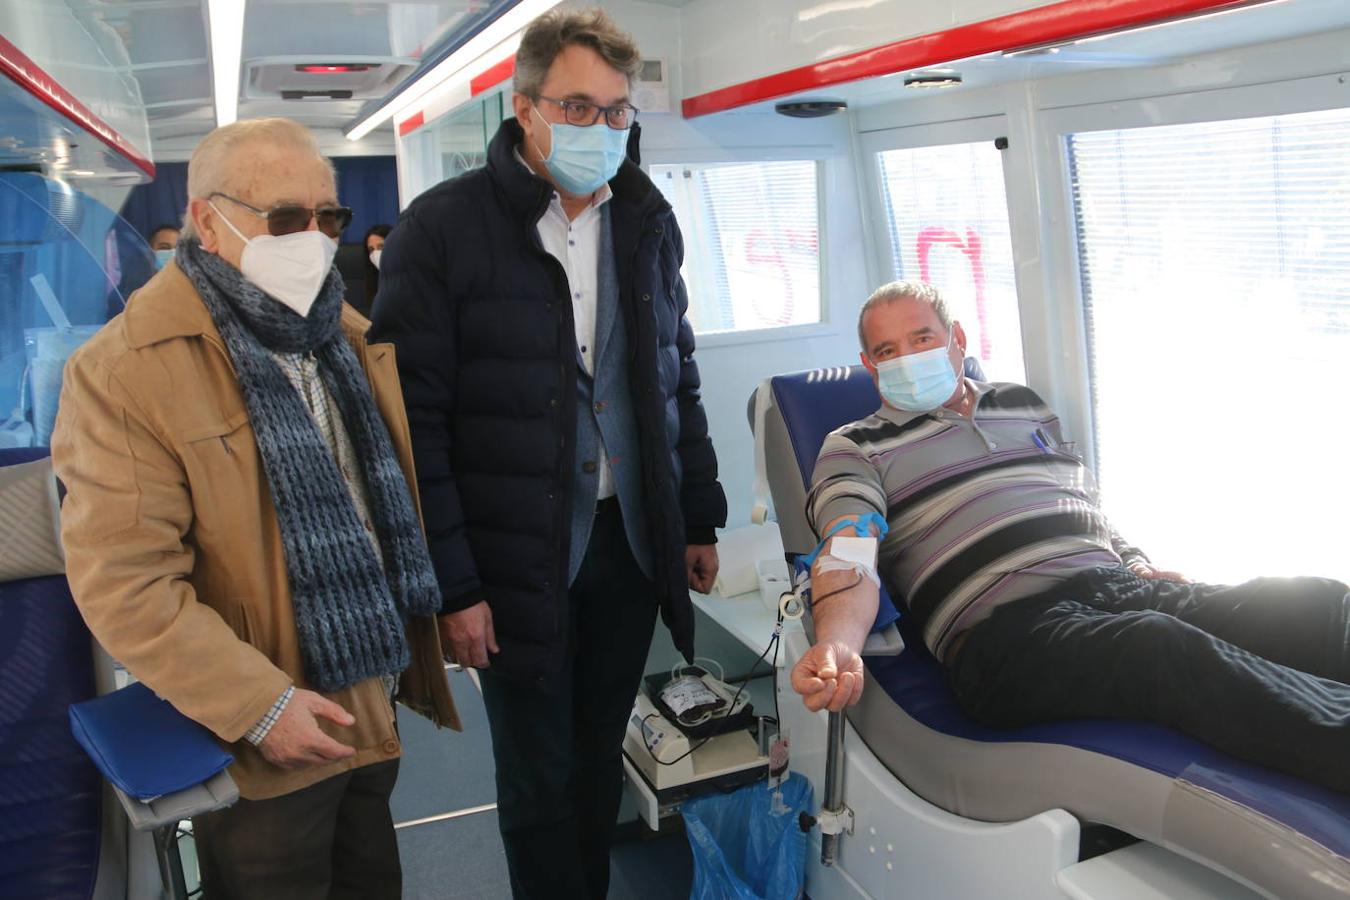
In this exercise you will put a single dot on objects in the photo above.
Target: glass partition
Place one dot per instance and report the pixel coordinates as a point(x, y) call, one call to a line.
point(67, 265)
point(448, 146)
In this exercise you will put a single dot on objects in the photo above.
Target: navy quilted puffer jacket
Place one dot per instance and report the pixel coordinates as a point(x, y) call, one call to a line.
point(482, 319)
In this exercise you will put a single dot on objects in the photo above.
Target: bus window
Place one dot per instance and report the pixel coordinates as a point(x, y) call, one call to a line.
point(947, 215)
point(1215, 266)
point(751, 242)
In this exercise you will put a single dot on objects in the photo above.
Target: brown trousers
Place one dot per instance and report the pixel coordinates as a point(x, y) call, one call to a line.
point(330, 841)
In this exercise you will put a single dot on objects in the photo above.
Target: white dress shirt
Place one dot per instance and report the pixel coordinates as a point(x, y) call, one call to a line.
point(575, 243)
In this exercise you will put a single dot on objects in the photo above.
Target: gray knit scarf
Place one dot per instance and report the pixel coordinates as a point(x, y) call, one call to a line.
point(348, 611)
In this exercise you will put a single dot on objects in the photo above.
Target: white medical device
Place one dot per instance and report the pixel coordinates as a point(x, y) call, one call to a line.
point(666, 766)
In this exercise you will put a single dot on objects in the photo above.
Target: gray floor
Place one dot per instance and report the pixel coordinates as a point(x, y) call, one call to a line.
point(443, 772)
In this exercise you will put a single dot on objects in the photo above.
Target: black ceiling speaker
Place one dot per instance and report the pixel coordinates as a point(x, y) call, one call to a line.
point(810, 109)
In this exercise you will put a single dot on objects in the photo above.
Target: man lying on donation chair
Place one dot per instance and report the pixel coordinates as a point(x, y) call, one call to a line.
point(1036, 608)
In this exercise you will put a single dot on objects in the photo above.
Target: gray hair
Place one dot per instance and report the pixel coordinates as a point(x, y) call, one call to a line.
point(551, 33)
point(214, 168)
point(901, 290)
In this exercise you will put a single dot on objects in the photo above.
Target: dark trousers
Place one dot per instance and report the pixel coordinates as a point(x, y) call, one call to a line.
point(334, 839)
point(557, 747)
point(1259, 670)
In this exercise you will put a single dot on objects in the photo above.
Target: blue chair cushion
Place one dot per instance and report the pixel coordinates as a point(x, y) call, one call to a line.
point(143, 745)
point(917, 683)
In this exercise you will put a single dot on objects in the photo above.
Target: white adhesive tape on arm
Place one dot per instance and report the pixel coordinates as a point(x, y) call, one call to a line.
point(828, 563)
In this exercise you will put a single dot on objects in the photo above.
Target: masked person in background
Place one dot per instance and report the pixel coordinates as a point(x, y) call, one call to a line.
point(374, 244)
point(569, 485)
point(239, 528)
point(162, 241)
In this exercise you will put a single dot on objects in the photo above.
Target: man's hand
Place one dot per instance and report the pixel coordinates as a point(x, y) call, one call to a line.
point(829, 675)
point(295, 741)
point(700, 564)
point(467, 636)
point(1144, 570)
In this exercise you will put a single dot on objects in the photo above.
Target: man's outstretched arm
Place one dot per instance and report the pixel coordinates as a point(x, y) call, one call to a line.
point(844, 606)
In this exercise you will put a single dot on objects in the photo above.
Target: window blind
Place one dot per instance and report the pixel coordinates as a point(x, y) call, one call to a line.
point(1215, 265)
point(752, 242)
point(947, 214)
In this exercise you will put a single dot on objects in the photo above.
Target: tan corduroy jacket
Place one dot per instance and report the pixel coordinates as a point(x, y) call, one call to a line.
point(173, 550)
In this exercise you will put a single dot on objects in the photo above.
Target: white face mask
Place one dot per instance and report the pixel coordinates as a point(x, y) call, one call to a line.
point(290, 268)
point(375, 257)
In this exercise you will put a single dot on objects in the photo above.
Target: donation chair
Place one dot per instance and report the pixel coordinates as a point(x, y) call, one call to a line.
point(990, 803)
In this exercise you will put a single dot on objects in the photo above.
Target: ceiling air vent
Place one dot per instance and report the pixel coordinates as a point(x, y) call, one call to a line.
point(324, 78)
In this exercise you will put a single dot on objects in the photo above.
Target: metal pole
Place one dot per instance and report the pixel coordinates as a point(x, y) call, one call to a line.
point(834, 786)
point(170, 862)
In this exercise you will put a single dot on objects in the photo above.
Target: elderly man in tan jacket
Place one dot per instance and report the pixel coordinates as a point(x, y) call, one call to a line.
point(241, 529)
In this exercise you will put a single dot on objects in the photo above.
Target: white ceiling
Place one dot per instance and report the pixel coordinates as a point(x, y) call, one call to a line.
point(167, 44)
point(167, 47)
point(1153, 46)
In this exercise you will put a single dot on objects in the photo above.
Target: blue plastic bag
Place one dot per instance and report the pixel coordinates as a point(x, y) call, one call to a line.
point(742, 849)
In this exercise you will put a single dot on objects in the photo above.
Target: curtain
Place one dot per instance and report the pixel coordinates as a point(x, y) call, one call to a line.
point(368, 184)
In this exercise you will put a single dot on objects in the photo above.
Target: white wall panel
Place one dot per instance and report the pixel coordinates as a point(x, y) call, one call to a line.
point(729, 43)
point(733, 365)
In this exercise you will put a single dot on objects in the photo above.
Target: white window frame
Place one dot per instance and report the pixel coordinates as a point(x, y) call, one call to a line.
point(911, 137)
point(731, 156)
point(1023, 216)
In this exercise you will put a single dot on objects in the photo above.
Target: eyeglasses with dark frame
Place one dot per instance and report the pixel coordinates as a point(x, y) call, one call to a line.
point(585, 113)
point(288, 218)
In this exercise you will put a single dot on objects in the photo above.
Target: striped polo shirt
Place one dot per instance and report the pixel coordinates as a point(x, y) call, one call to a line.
point(983, 509)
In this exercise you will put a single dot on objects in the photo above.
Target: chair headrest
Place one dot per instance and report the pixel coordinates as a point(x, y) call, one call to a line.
point(817, 402)
point(29, 515)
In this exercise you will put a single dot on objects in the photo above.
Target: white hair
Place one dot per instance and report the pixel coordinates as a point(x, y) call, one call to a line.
point(213, 169)
point(902, 290)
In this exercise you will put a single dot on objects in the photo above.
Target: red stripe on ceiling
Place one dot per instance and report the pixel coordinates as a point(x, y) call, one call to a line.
point(31, 77)
point(493, 76)
point(410, 124)
point(1061, 21)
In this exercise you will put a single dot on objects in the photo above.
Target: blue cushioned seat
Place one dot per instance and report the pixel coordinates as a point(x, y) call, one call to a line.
point(50, 792)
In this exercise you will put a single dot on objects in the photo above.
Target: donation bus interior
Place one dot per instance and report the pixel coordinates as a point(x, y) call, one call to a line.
point(1140, 208)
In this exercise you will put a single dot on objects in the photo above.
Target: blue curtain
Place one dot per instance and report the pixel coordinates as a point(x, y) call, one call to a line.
point(161, 202)
point(368, 184)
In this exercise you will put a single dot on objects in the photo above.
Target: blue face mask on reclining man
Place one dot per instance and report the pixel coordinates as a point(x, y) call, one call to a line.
point(918, 382)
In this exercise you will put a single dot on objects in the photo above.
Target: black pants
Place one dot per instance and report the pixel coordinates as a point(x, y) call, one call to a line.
point(334, 839)
point(557, 748)
point(1260, 670)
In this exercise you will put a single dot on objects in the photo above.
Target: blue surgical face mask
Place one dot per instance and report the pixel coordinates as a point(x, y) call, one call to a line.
point(162, 258)
point(582, 158)
point(919, 382)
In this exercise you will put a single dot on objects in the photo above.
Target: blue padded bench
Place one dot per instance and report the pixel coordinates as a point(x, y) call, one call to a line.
point(1275, 833)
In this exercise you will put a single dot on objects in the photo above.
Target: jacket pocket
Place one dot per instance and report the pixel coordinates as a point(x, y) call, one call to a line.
point(226, 480)
point(249, 625)
point(221, 431)
point(236, 615)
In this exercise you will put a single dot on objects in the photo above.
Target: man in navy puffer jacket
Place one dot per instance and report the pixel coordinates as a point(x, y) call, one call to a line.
point(567, 479)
